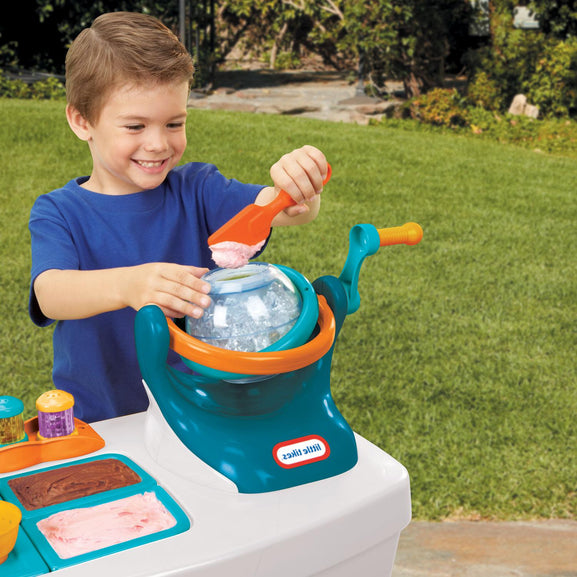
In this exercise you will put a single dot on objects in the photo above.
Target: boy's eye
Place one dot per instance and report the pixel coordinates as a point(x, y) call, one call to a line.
point(175, 125)
point(134, 127)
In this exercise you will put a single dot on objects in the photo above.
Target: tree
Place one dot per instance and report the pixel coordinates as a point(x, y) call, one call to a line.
point(557, 18)
point(75, 15)
point(542, 64)
point(406, 40)
point(403, 40)
point(279, 30)
point(38, 32)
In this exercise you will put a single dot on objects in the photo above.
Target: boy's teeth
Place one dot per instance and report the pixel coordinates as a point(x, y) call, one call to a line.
point(149, 164)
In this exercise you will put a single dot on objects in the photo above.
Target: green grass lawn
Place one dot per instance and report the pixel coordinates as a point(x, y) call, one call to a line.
point(461, 360)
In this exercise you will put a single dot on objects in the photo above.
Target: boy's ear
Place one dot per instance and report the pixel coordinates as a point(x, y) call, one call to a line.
point(79, 125)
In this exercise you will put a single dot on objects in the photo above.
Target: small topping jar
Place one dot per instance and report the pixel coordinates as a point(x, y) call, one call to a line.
point(11, 421)
point(55, 414)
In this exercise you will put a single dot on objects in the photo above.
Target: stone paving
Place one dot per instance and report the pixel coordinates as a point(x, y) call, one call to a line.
point(546, 548)
point(328, 96)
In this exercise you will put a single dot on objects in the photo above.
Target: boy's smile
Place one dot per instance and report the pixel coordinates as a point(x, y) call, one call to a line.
point(138, 138)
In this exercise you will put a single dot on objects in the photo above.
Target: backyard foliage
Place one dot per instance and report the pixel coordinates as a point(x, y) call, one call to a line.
point(406, 41)
point(460, 361)
point(445, 110)
point(415, 41)
point(538, 63)
point(47, 89)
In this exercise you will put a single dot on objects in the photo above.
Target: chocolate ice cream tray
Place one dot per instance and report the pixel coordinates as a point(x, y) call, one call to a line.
point(78, 483)
point(50, 497)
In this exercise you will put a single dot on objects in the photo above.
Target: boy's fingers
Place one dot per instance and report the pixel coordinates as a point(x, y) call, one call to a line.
point(181, 291)
point(188, 294)
point(314, 163)
point(297, 209)
point(300, 173)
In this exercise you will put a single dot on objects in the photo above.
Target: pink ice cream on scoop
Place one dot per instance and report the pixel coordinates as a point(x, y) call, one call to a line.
point(77, 531)
point(230, 254)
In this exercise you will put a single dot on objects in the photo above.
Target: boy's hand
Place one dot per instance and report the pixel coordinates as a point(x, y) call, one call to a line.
point(176, 289)
point(78, 294)
point(301, 174)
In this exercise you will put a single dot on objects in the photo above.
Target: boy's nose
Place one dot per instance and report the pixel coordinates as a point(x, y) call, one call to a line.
point(156, 141)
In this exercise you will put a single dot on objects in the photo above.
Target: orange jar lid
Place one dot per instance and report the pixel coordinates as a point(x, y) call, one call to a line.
point(54, 401)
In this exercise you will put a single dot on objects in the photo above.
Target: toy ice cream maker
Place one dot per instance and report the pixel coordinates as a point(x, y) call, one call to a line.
point(242, 455)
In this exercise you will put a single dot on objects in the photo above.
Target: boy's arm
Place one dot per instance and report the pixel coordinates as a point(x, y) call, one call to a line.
point(301, 173)
point(78, 294)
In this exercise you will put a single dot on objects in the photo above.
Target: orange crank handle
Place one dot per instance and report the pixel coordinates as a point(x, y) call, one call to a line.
point(410, 233)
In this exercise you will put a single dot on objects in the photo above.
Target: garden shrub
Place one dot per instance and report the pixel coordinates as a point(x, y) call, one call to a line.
point(553, 86)
point(12, 88)
point(529, 62)
point(48, 89)
point(483, 92)
point(480, 119)
point(440, 107)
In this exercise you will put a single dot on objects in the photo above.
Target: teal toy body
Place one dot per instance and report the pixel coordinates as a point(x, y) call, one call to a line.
point(264, 432)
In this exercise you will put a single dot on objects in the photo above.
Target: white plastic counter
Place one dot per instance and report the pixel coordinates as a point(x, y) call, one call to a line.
point(344, 526)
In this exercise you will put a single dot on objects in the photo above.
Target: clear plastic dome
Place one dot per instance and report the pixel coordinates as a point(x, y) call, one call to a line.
point(252, 307)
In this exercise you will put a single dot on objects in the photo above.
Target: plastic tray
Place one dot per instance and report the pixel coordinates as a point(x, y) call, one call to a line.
point(33, 555)
point(146, 482)
point(54, 562)
point(35, 449)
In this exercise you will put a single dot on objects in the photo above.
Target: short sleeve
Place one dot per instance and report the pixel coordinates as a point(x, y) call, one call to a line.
point(52, 247)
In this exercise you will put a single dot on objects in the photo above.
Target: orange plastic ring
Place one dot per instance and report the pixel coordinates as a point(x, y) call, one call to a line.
point(264, 363)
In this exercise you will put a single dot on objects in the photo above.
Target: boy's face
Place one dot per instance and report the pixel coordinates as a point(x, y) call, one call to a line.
point(138, 137)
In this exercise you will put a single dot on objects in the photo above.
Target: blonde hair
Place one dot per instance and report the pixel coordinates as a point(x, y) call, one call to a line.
point(122, 48)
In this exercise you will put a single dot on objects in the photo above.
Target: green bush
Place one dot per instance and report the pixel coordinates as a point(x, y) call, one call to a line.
point(553, 86)
point(287, 61)
point(480, 119)
point(523, 62)
point(49, 89)
point(440, 107)
point(554, 136)
point(510, 58)
point(483, 92)
point(519, 130)
point(13, 88)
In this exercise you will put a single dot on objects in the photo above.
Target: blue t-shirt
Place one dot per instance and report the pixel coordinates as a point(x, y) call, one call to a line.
point(75, 229)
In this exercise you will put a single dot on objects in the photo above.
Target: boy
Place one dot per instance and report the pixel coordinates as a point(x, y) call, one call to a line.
point(135, 231)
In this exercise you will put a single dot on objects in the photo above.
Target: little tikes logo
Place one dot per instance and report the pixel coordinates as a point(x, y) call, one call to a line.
point(302, 451)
